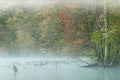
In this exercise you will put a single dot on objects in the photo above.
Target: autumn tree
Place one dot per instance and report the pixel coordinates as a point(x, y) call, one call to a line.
point(23, 28)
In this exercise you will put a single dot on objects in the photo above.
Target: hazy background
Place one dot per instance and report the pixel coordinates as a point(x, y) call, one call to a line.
point(35, 27)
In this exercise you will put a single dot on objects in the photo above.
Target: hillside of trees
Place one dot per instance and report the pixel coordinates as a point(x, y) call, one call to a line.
point(91, 29)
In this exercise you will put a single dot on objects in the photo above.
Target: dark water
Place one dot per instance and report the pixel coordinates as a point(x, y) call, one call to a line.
point(53, 69)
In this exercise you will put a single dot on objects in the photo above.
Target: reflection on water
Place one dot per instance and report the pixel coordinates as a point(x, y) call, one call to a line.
point(53, 69)
point(15, 76)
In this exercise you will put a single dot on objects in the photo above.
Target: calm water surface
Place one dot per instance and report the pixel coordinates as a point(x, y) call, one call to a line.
point(53, 69)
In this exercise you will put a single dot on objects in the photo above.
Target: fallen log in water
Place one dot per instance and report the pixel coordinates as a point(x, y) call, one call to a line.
point(91, 65)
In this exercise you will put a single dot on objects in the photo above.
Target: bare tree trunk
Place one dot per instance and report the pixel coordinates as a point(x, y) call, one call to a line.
point(106, 29)
point(95, 14)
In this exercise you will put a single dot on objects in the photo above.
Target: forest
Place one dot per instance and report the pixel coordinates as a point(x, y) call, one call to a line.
point(82, 29)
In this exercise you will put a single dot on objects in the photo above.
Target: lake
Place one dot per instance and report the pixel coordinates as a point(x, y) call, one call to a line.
point(54, 69)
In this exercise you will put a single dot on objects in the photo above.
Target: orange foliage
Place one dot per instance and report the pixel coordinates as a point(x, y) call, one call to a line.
point(67, 22)
point(78, 42)
point(72, 6)
point(82, 27)
point(78, 33)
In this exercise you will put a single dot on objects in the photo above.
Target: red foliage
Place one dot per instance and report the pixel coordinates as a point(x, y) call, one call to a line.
point(67, 22)
point(78, 42)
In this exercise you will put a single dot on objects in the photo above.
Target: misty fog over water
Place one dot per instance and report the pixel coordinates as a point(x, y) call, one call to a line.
point(53, 69)
point(59, 40)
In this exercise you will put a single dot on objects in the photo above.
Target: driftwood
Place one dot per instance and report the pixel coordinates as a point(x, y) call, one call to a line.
point(91, 65)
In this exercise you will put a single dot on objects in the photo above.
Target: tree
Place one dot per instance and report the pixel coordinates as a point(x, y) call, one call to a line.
point(106, 29)
point(50, 26)
point(106, 51)
point(24, 28)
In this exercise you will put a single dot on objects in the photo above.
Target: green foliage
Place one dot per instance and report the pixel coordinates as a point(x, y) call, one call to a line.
point(111, 37)
point(114, 36)
point(97, 36)
point(45, 30)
